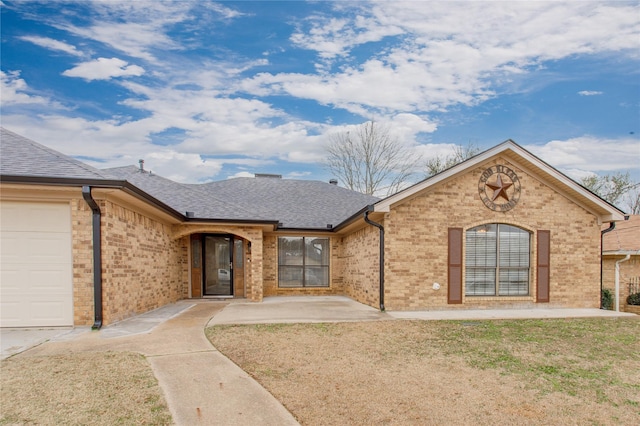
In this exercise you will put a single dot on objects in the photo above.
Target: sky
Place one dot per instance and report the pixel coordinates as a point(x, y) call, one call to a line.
point(205, 90)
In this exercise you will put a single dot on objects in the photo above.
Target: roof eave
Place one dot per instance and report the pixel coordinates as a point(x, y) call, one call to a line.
point(94, 183)
point(607, 211)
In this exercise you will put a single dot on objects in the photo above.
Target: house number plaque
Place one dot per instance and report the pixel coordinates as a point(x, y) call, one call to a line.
point(499, 188)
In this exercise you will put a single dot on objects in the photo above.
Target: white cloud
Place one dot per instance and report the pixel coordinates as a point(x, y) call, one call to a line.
point(104, 69)
point(241, 174)
point(15, 91)
point(49, 43)
point(589, 93)
point(440, 54)
point(587, 154)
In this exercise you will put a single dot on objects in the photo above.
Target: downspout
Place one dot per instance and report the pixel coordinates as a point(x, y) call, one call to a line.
point(627, 257)
point(381, 228)
point(612, 226)
point(97, 258)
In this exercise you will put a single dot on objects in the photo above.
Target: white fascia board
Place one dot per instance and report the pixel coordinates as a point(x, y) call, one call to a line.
point(613, 213)
point(385, 204)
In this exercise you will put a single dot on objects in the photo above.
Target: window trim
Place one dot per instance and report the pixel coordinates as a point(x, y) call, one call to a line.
point(305, 267)
point(497, 268)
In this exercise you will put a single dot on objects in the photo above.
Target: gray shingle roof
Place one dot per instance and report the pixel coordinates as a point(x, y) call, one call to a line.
point(20, 156)
point(294, 203)
point(297, 204)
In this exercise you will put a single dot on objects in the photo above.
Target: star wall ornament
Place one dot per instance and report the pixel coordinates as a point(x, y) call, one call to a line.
point(499, 188)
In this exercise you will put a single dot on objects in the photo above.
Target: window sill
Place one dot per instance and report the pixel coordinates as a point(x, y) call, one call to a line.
point(499, 298)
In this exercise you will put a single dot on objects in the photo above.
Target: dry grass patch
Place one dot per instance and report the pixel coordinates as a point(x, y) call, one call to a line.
point(81, 389)
point(576, 371)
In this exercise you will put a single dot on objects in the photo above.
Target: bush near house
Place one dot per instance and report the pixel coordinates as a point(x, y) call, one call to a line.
point(634, 299)
point(607, 299)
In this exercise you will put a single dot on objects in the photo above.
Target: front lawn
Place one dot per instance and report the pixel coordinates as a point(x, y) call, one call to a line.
point(573, 371)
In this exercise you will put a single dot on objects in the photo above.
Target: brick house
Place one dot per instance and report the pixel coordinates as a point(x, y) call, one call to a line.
point(621, 260)
point(83, 246)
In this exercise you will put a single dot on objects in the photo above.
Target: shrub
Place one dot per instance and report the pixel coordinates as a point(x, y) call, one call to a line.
point(607, 299)
point(634, 299)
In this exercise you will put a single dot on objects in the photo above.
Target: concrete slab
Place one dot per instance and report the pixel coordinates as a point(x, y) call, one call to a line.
point(207, 388)
point(480, 314)
point(297, 309)
point(16, 340)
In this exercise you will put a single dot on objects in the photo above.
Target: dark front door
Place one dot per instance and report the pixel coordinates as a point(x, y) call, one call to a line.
point(218, 265)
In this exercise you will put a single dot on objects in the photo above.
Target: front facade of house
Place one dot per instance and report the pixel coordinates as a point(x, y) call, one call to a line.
point(502, 229)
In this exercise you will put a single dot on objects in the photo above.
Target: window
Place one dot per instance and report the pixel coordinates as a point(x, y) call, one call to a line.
point(497, 261)
point(303, 262)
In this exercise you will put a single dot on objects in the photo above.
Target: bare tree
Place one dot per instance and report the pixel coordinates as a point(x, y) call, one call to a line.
point(460, 153)
point(370, 159)
point(632, 200)
point(613, 188)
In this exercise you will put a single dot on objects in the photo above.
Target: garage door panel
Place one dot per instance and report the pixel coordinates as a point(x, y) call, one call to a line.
point(35, 217)
point(48, 312)
point(36, 274)
point(49, 248)
point(34, 248)
point(11, 277)
point(12, 247)
point(49, 281)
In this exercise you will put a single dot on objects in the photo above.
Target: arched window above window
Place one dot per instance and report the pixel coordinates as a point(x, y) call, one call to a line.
point(497, 260)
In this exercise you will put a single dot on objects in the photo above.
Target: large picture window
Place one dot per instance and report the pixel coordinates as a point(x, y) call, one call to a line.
point(497, 261)
point(303, 262)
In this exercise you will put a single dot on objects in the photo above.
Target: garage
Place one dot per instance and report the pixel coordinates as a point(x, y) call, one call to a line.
point(36, 280)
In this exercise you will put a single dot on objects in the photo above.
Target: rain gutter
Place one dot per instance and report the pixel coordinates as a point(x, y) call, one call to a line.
point(612, 226)
point(381, 228)
point(97, 257)
point(617, 281)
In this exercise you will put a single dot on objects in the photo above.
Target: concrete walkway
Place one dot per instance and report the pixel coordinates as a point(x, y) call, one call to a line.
point(201, 386)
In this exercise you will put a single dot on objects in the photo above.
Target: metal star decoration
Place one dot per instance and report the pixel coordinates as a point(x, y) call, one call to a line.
point(499, 188)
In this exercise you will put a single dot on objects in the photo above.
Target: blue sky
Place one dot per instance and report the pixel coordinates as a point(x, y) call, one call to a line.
point(210, 90)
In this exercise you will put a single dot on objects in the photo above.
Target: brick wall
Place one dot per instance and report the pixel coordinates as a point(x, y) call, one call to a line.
point(416, 245)
point(629, 270)
point(144, 268)
point(359, 262)
point(82, 253)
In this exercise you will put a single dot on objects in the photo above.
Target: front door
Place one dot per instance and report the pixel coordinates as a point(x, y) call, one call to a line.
point(218, 265)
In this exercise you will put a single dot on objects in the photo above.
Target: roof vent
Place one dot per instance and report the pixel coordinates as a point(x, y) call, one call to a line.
point(329, 226)
point(141, 162)
point(333, 181)
point(190, 214)
point(267, 175)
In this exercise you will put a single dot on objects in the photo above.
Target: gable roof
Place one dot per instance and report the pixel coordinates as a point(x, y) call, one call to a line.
point(625, 237)
point(24, 157)
point(605, 211)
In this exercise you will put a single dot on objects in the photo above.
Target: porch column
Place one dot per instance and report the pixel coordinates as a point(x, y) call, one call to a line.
point(255, 283)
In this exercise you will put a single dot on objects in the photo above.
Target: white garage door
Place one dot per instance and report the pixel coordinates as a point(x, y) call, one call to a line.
point(36, 282)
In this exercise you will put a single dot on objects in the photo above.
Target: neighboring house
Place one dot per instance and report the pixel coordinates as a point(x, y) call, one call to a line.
point(84, 246)
point(621, 260)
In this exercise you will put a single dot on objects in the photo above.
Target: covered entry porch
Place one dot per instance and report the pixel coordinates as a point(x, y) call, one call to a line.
point(223, 261)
